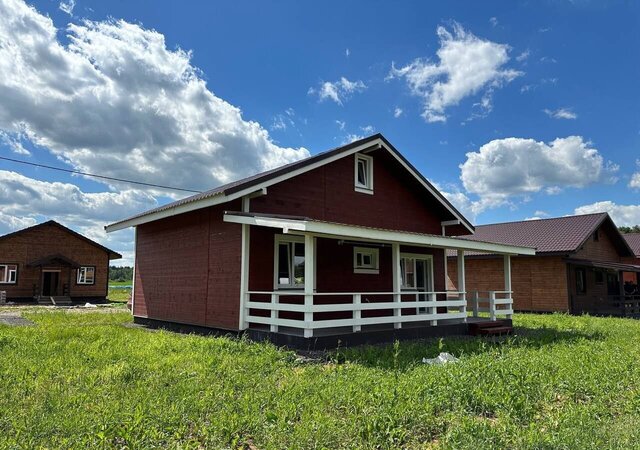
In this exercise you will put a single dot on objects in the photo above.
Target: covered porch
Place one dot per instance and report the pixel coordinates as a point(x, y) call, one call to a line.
point(604, 288)
point(311, 279)
point(55, 274)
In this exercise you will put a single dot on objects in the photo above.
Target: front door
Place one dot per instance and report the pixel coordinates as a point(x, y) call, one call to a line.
point(50, 283)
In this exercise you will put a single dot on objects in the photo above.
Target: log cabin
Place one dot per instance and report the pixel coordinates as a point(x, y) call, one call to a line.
point(579, 267)
point(345, 246)
point(52, 264)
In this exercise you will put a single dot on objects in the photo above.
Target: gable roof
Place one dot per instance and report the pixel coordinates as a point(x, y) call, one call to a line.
point(559, 235)
point(633, 239)
point(245, 186)
point(112, 254)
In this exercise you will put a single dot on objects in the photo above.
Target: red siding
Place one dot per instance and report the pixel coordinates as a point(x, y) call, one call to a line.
point(188, 269)
point(328, 194)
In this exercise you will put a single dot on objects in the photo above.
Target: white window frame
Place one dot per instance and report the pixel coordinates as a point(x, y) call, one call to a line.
point(280, 239)
point(373, 253)
point(81, 276)
point(403, 277)
point(366, 188)
point(8, 278)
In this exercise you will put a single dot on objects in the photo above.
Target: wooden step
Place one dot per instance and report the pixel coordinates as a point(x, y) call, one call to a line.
point(495, 331)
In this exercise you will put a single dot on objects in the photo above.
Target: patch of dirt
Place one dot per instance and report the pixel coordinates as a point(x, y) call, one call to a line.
point(15, 320)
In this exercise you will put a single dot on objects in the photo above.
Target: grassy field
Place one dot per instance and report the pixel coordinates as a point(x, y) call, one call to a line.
point(120, 283)
point(90, 380)
point(119, 294)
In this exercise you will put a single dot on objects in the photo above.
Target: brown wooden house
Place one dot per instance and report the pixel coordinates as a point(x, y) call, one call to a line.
point(633, 279)
point(579, 266)
point(51, 263)
point(348, 244)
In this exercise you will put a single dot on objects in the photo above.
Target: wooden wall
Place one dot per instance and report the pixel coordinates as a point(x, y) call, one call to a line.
point(46, 240)
point(539, 283)
point(188, 269)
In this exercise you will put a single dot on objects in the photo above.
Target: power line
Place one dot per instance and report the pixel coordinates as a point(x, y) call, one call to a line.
point(99, 176)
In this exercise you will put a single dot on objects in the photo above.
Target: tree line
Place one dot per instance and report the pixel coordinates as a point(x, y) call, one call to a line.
point(633, 229)
point(120, 273)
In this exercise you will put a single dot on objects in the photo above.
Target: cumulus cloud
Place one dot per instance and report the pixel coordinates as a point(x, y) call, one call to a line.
point(561, 113)
point(467, 65)
point(339, 91)
point(518, 167)
point(634, 183)
point(622, 215)
point(118, 102)
point(397, 112)
point(67, 6)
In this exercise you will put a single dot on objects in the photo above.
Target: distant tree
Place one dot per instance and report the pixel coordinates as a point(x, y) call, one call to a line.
point(120, 273)
point(633, 229)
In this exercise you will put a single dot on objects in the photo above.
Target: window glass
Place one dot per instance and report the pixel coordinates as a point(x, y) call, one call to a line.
point(407, 266)
point(581, 282)
point(283, 263)
point(362, 172)
point(8, 273)
point(298, 263)
point(365, 260)
point(86, 275)
point(290, 264)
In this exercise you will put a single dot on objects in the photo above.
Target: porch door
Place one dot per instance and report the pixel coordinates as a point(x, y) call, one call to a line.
point(50, 282)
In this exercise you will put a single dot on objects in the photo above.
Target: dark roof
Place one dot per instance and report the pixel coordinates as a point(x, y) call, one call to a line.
point(112, 254)
point(245, 183)
point(633, 239)
point(605, 265)
point(559, 235)
point(47, 260)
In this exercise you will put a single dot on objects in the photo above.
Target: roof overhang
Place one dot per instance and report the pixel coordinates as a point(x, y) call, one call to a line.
point(233, 193)
point(354, 232)
point(604, 265)
point(57, 259)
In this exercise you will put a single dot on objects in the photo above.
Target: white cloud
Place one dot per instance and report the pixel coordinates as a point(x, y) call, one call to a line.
point(397, 112)
point(13, 142)
point(117, 102)
point(493, 21)
point(510, 167)
point(634, 183)
point(523, 56)
point(466, 66)
point(622, 215)
point(347, 52)
point(339, 91)
point(367, 129)
point(67, 6)
point(26, 201)
point(341, 124)
point(561, 113)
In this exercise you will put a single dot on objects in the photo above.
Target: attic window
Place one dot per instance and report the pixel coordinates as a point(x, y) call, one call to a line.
point(363, 174)
point(596, 235)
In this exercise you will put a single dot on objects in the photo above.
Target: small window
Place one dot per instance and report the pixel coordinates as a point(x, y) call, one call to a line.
point(596, 235)
point(599, 277)
point(8, 273)
point(581, 281)
point(364, 174)
point(86, 275)
point(366, 260)
point(289, 262)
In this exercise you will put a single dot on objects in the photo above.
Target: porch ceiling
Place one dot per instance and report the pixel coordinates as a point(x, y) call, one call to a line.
point(303, 225)
point(604, 265)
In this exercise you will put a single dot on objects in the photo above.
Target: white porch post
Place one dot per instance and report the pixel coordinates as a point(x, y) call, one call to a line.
point(309, 281)
point(462, 288)
point(244, 269)
point(507, 280)
point(397, 282)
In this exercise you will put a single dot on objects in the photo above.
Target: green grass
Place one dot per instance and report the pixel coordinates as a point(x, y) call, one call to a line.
point(120, 283)
point(119, 294)
point(85, 380)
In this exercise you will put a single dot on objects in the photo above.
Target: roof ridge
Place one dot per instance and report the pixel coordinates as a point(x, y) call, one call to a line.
point(540, 220)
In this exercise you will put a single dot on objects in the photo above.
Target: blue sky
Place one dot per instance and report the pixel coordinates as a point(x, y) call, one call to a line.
point(545, 72)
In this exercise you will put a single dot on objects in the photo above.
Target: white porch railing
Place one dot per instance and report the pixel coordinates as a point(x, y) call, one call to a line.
point(405, 307)
point(495, 303)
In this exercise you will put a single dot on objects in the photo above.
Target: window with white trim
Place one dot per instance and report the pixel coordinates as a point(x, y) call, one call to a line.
point(289, 262)
point(363, 173)
point(8, 273)
point(416, 272)
point(86, 275)
point(366, 260)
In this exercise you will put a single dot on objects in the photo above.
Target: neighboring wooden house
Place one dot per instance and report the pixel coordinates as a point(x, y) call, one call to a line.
point(52, 264)
point(348, 244)
point(579, 264)
point(633, 239)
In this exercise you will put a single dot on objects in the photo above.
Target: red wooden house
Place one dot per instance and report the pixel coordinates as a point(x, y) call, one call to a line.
point(348, 244)
point(51, 263)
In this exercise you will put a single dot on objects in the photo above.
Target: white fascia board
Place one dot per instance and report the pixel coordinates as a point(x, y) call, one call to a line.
point(340, 231)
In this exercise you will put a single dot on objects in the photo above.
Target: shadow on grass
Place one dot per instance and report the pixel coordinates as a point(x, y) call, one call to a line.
point(410, 353)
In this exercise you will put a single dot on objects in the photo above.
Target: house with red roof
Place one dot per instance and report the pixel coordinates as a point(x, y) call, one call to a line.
point(346, 246)
point(580, 266)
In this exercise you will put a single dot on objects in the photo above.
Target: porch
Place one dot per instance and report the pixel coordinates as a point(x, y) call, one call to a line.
point(54, 279)
point(397, 280)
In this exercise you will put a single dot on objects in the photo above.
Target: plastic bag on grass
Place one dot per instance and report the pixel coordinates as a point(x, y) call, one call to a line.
point(442, 358)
